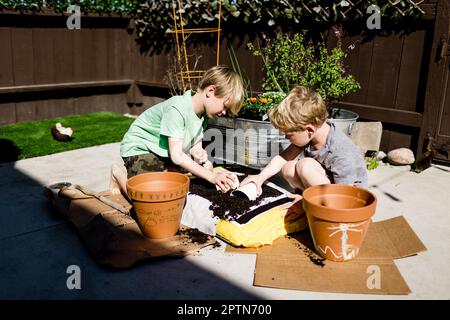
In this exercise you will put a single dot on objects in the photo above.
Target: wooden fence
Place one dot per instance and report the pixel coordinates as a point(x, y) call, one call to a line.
point(47, 70)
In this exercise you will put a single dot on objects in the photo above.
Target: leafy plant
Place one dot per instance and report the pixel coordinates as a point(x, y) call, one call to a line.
point(259, 105)
point(289, 61)
point(154, 17)
point(102, 6)
point(371, 163)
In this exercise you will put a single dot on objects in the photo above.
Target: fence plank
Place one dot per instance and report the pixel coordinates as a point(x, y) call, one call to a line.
point(63, 50)
point(438, 68)
point(83, 105)
point(25, 111)
point(44, 67)
point(384, 71)
point(22, 49)
point(84, 55)
point(100, 59)
point(409, 73)
point(6, 65)
point(23, 61)
point(7, 113)
point(119, 63)
point(358, 64)
point(399, 136)
point(444, 125)
point(43, 64)
point(251, 64)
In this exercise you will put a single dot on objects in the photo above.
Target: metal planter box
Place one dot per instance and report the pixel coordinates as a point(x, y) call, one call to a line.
point(250, 143)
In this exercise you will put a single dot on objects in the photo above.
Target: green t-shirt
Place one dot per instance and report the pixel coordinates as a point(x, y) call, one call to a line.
point(174, 117)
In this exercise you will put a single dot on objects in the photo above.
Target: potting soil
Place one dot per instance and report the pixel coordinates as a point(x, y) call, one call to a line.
point(233, 208)
point(238, 220)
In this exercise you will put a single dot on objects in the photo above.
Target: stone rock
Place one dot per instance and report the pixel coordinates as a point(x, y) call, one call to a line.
point(401, 156)
point(367, 135)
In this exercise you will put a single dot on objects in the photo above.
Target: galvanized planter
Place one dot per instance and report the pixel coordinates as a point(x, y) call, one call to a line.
point(250, 143)
point(343, 119)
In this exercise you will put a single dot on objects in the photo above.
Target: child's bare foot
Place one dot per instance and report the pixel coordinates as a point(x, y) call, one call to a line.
point(118, 180)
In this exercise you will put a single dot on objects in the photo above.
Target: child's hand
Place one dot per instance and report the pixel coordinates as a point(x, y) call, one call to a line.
point(296, 198)
point(257, 179)
point(225, 180)
point(295, 208)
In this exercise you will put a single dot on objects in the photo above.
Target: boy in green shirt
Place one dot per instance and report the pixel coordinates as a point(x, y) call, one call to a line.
point(168, 136)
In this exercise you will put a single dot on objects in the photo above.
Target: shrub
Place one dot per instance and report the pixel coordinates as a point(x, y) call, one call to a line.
point(289, 61)
point(259, 105)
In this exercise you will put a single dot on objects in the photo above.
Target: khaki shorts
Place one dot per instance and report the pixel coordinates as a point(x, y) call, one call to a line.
point(149, 162)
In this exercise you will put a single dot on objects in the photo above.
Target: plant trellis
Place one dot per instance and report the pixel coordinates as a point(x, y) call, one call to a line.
point(181, 34)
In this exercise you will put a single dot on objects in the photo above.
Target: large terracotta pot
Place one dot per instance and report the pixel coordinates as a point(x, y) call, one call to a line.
point(339, 216)
point(158, 200)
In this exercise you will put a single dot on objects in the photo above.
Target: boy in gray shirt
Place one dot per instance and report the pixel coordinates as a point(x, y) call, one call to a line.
point(330, 156)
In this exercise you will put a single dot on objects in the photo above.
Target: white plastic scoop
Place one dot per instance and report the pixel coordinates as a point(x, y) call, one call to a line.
point(248, 190)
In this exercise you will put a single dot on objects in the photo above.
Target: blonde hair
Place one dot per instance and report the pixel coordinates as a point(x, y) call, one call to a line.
point(301, 107)
point(228, 84)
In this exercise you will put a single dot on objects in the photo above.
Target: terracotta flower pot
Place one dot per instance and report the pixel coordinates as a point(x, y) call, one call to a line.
point(338, 216)
point(158, 199)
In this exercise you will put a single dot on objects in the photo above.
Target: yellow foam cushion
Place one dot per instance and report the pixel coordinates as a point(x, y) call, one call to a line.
point(261, 230)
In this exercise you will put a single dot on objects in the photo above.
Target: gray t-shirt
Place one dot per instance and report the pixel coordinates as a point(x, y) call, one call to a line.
point(341, 159)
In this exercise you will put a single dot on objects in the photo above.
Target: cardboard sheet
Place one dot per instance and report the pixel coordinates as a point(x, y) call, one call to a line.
point(115, 239)
point(288, 263)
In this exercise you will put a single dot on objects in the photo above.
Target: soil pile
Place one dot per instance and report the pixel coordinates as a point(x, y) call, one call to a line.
point(194, 235)
point(225, 206)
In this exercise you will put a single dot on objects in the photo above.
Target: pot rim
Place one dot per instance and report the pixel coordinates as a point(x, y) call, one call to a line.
point(339, 215)
point(158, 193)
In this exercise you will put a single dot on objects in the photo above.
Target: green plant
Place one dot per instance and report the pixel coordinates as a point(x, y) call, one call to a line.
point(258, 106)
point(155, 16)
point(371, 163)
point(289, 61)
point(102, 6)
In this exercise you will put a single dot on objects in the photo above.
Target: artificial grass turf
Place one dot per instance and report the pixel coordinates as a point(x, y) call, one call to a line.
point(32, 139)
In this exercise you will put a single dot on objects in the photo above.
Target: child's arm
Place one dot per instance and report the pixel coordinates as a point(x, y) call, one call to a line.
point(223, 179)
point(201, 156)
point(274, 166)
point(198, 153)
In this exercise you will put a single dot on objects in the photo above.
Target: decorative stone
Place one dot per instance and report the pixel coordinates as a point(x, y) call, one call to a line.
point(367, 135)
point(401, 156)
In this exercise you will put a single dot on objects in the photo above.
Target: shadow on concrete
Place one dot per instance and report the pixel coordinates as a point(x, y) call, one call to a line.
point(9, 151)
point(38, 246)
point(442, 169)
point(388, 194)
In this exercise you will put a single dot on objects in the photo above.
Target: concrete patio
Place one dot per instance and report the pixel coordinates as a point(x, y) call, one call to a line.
point(37, 245)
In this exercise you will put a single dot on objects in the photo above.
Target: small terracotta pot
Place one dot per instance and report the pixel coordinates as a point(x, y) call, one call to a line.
point(338, 217)
point(158, 199)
